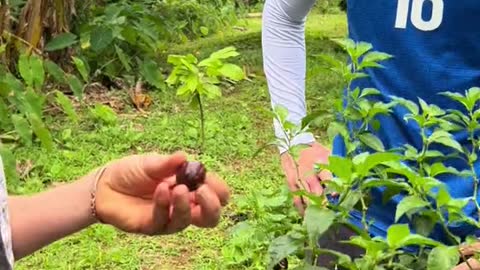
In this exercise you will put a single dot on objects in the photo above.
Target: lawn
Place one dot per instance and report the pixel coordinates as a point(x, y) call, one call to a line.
point(237, 125)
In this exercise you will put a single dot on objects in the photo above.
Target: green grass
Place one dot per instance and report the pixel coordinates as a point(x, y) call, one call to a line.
point(237, 125)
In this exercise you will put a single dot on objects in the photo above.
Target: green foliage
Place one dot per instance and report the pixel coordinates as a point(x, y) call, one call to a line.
point(103, 114)
point(369, 164)
point(118, 39)
point(199, 80)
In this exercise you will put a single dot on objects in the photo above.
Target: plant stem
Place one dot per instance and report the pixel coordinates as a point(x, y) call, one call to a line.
point(202, 120)
point(364, 213)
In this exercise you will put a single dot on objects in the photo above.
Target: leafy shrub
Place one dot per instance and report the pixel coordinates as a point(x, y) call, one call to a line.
point(426, 201)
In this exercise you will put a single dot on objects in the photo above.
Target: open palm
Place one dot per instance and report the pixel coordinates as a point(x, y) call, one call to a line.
point(138, 194)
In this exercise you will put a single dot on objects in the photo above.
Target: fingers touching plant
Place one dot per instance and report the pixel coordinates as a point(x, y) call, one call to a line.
point(197, 80)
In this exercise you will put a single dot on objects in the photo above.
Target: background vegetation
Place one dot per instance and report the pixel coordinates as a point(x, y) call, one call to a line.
point(84, 82)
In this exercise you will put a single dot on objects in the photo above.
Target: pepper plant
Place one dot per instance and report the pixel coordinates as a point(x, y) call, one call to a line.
point(411, 173)
point(198, 80)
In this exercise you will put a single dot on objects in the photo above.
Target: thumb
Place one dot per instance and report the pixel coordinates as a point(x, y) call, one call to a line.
point(159, 167)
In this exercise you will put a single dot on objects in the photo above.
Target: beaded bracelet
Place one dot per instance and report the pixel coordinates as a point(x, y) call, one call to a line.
point(93, 194)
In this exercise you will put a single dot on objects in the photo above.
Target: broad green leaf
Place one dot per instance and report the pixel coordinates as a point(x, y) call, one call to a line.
point(75, 85)
point(340, 167)
point(392, 183)
point(409, 204)
point(376, 57)
point(224, 53)
point(212, 91)
point(41, 131)
point(81, 67)
point(123, 58)
point(372, 141)
point(204, 30)
point(55, 71)
point(104, 114)
point(22, 127)
point(9, 163)
point(457, 97)
point(4, 119)
point(151, 72)
point(61, 41)
point(424, 222)
point(446, 139)
point(396, 234)
point(374, 160)
point(369, 92)
point(351, 200)
point(317, 221)
point(443, 258)
point(362, 48)
point(372, 59)
point(100, 38)
point(281, 248)
point(31, 70)
point(33, 102)
point(439, 168)
point(67, 106)
point(418, 240)
point(408, 104)
point(336, 128)
point(232, 71)
point(443, 197)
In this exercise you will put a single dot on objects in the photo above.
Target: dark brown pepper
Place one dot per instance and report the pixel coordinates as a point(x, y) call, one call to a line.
point(192, 174)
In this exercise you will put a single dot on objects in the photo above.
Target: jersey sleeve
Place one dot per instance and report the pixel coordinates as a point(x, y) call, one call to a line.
point(284, 60)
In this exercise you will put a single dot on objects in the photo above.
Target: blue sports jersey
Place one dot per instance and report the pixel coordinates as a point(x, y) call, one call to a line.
point(436, 48)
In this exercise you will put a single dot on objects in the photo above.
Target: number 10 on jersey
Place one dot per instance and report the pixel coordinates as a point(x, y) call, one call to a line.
point(414, 8)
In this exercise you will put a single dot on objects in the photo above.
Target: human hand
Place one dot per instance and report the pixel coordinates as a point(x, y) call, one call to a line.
point(138, 194)
point(314, 154)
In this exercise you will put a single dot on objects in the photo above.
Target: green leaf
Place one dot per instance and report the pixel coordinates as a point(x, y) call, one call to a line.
point(372, 141)
point(151, 72)
point(9, 163)
point(55, 71)
point(232, 71)
point(204, 30)
point(340, 167)
point(81, 67)
point(22, 127)
point(317, 221)
point(224, 53)
point(4, 113)
point(123, 58)
point(446, 139)
point(336, 128)
point(66, 106)
point(409, 204)
point(281, 248)
point(396, 234)
point(372, 59)
point(439, 168)
point(408, 104)
point(369, 92)
point(75, 85)
point(374, 160)
point(443, 258)
point(100, 38)
point(61, 41)
point(31, 70)
point(425, 222)
point(41, 131)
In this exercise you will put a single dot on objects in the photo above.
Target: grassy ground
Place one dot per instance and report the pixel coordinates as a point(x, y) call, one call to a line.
point(237, 125)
